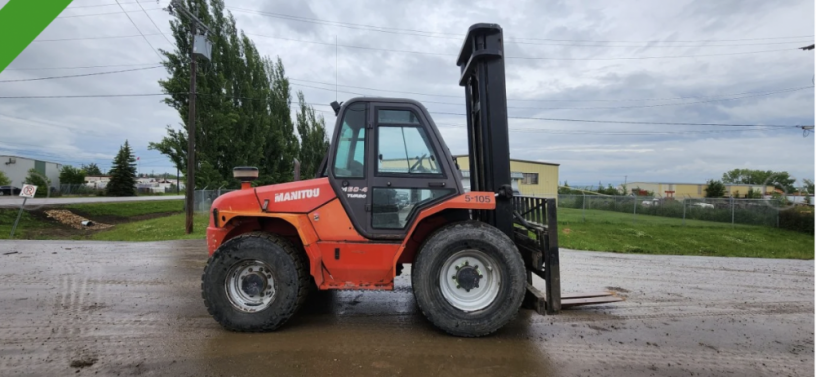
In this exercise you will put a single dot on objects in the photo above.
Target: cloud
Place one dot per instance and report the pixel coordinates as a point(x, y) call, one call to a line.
point(643, 90)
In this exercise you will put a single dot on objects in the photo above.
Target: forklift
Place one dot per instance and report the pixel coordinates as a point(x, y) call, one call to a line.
point(389, 193)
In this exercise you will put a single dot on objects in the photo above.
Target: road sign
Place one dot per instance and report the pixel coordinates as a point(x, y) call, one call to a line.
point(28, 191)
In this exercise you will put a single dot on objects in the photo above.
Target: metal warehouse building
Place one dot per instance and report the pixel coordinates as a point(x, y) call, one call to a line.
point(535, 178)
point(695, 190)
point(16, 169)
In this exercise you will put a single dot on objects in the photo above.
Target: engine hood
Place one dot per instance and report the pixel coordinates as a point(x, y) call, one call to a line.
point(291, 197)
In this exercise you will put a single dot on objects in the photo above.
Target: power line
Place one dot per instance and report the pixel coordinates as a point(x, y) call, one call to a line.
point(458, 36)
point(567, 108)
point(102, 14)
point(590, 132)
point(90, 38)
point(524, 57)
point(519, 40)
point(82, 67)
point(765, 126)
point(432, 112)
point(635, 122)
point(139, 30)
point(90, 96)
point(101, 5)
point(154, 23)
point(83, 75)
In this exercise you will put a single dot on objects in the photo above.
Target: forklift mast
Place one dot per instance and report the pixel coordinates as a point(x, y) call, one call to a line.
point(481, 61)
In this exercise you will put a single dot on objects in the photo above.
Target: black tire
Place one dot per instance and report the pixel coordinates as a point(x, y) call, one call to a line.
point(288, 271)
point(438, 248)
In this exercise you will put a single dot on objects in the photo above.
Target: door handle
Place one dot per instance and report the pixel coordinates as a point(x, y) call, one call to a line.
point(436, 184)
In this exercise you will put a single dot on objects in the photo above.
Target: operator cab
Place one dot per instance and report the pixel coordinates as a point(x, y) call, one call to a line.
point(386, 162)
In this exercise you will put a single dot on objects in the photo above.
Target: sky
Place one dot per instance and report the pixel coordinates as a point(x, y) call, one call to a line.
point(726, 62)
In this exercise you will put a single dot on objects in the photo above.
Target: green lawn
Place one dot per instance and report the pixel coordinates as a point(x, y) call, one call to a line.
point(27, 222)
point(615, 231)
point(128, 209)
point(34, 225)
point(158, 229)
point(602, 231)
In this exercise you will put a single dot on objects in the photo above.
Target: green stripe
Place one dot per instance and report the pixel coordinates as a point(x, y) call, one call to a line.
point(23, 20)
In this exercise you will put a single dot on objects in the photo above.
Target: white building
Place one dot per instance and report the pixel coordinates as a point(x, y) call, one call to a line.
point(16, 169)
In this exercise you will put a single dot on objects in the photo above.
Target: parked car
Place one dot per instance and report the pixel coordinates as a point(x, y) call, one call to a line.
point(654, 201)
point(9, 190)
point(703, 205)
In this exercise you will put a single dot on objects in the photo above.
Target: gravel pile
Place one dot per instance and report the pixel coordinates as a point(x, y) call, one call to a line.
point(73, 220)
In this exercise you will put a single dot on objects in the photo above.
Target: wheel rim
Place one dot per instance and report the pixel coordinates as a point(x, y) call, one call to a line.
point(470, 280)
point(250, 286)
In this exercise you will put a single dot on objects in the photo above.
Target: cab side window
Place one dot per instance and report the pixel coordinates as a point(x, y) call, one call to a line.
point(349, 160)
point(403, 146)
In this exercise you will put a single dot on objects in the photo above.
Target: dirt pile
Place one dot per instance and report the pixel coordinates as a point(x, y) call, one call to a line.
point(75, 221)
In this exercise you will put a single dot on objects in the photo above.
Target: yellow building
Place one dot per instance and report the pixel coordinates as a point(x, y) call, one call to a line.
point(534, 178)
point(694, 190)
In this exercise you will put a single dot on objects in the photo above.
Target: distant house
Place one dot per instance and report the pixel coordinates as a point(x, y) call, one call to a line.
point(16, 169)
point(98, 182)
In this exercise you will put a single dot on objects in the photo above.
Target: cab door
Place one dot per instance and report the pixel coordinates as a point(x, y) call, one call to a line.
point(408, 173)
point(347, 168)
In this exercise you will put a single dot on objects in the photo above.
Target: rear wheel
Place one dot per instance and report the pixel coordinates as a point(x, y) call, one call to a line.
point(254, 282)
point(469, 279)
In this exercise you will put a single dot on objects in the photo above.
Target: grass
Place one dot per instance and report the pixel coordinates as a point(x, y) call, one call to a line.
point(159, 229)
point(615, 231)
point(33, 224)
point(27, 222)
point(602, 231)
point(128, 209)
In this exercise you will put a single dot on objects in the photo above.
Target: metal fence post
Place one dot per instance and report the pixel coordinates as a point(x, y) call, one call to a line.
point(732, 211)
point(684, 211)
point(634, 209)
point(583, 207)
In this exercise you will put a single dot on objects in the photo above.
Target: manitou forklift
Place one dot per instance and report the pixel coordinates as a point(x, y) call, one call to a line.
point(389, 193)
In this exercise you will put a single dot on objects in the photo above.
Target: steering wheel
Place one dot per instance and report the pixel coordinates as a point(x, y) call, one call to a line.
point(419, 161)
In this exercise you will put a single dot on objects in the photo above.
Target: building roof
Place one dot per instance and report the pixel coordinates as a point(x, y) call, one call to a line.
point(2, 156)
point(513, 174)
point(694, 184)
point(518, 160)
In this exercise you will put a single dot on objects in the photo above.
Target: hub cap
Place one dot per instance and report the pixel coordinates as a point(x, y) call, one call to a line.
point(249, 286)
point(469, 280)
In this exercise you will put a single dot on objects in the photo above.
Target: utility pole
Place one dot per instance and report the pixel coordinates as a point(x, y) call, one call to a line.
point(198, 46)
point(191, 130)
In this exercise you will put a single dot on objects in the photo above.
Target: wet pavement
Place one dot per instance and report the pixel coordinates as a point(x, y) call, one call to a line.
point(122, 309)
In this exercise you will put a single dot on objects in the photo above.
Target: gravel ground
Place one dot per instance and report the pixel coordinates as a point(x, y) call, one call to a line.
point(110, 308)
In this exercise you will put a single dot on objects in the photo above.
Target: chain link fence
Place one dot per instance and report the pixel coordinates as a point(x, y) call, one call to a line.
point(203, 199)
point(763, 212)
point(90, 190)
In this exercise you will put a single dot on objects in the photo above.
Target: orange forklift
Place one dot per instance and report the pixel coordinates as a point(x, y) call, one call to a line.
point(389, 193)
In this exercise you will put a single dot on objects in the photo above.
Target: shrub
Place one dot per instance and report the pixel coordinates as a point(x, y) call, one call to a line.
point(796, 219)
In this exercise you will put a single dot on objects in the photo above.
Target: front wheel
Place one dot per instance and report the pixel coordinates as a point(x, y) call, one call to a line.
point(469, 279)
point(254, 282)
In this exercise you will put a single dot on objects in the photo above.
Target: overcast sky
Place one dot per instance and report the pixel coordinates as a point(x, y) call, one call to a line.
point(637, 61)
